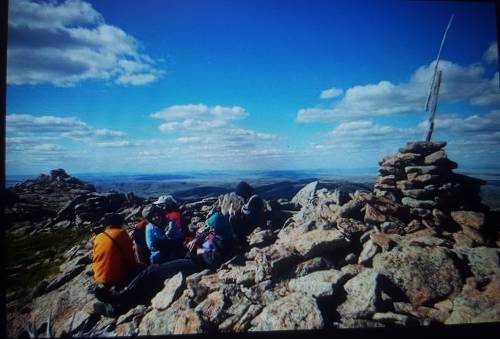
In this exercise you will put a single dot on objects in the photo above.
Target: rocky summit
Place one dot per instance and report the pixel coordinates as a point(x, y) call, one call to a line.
point(420, 249)
point(59, 200)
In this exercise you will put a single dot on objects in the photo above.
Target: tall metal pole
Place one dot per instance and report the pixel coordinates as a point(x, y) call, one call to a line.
point(433, 105)
point(437, 63)
point(432, 98)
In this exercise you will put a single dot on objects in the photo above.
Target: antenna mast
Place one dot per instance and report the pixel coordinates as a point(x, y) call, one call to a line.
point(432, 98)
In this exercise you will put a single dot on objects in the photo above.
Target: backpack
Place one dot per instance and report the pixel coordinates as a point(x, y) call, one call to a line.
point(215, 250)
point(221, 226)
point(139, 238)
point(252, 216)
point(216, 241)
point(254, 206)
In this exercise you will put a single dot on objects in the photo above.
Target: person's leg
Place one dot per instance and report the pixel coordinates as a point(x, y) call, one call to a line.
point(177, 252)
point(100, 291)
point(141, 252)
point(105, 293)
point(118, 301)
point(150, 281)
point(144, 254)
point(169, 269)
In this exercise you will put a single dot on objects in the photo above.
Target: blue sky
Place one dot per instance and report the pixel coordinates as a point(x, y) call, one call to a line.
point(162, 86)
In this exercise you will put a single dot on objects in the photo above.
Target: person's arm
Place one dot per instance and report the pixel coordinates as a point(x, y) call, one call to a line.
point(156, 240)
point(94, 250)
point(94, 255)
point(208, 252)
point(129, 254)
point(98, 253)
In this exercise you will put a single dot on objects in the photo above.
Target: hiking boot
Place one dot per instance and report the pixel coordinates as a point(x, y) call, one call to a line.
point(103, 294)
point(107, 295)
point(106, 310)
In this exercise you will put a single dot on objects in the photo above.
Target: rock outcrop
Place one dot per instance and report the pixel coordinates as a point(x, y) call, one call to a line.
point(59, 200)
point(418, 250)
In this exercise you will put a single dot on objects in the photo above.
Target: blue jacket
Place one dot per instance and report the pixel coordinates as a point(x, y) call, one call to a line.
point(161, 247)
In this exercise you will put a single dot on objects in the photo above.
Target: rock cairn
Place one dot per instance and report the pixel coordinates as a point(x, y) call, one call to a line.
point(420, 176)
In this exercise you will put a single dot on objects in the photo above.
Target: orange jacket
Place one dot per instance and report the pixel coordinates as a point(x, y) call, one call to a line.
point(112, 261)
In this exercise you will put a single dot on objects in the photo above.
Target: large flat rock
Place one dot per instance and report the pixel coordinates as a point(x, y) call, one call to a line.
point(305, 194)
point(470, 219)
point(211, 308)
point(297, 311)
point(172, 290)
point(425, 274)
point(423, 147)
point(477, 306)
point(319, 283)
point(484, 262)
point(439, 158)
point(179, 318)
point(318, 242)
point(363, 295)
point(279, 257)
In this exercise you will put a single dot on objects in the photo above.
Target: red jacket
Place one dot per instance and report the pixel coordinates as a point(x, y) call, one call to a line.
point(175, 216)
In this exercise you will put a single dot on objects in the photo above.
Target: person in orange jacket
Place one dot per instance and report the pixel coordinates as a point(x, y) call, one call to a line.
point(113, 259)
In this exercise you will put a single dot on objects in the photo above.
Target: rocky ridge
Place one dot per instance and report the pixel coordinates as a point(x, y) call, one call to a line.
point(59, 200)
point(418, 250)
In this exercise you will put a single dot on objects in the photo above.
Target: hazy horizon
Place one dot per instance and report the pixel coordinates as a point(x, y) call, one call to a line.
point(492, 173)
point(209, 173)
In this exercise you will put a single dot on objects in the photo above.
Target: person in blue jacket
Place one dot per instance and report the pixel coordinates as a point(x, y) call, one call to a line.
point(163, 239)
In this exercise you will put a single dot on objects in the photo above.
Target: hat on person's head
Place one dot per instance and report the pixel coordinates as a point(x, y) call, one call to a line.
point(112, 219)
point(165, 200)
point(244, 190)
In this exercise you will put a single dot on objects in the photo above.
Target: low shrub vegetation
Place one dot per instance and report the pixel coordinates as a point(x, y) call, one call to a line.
point(31, 259)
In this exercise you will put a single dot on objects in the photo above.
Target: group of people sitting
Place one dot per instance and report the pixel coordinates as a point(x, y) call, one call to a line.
point(131, 270)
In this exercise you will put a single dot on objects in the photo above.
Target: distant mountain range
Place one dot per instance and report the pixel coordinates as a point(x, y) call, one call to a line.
point(192, 186)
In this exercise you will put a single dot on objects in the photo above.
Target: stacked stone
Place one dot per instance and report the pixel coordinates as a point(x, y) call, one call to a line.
point(420, 176)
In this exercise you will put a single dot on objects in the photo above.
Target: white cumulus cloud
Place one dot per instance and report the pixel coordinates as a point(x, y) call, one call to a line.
point(460, 83)
point(208, 134)
point(491, 54)
point(188, 140)
point(361, 129)
point(197, 117)
point(64, 43)
point(26, 124)
point(365, 132)
point(331, 93)
point(200, 111)
point(26, 129)
point(191, 125)
point(481, 124)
